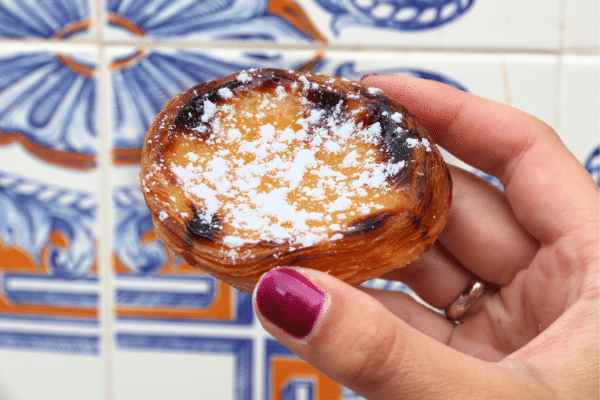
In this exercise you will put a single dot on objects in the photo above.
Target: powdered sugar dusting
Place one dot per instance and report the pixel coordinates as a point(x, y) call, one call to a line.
point(163, 215)
point(244, 77)
point(298, 181)
point(225, 93)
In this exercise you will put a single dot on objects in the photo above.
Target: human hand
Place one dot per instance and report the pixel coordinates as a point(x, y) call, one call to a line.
point(534, 334)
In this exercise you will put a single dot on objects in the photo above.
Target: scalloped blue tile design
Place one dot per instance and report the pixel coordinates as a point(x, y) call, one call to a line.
point(401, 15)
point(47, 274)
point(347, 69)
point(148, 287)
point(30, 211)
point(133, 220)
point(215, 19)
point(592, 164)
point(40, 18)
point(143, 88)
point(48, 103)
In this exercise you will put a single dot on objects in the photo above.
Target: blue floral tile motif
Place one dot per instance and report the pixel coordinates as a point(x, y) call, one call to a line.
point(347, 69)
point(592, 164)
point(401, 15)
point(54, 19)
point(47, 246)
point(151, 283)
point(144, 84)
point(133, 221)
point(48, 105)
point(30, 212)
point(262, 20)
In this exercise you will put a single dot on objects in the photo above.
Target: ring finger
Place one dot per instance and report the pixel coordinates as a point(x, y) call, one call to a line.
point(435, 277)
point(481, 240)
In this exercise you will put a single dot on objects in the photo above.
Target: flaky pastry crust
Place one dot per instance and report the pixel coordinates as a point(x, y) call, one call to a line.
point(364, 246)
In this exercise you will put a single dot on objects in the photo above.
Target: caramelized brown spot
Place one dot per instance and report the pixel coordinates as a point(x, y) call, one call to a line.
point(232, 127)
point(200, 228)
point(370, 223)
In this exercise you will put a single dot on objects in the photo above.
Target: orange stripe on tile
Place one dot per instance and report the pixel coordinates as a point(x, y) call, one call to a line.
point(75, 66)
point(56, 157)
point(285, 369)
point(295, 15)
point(126, 23)
point(15, 259)
point(127, 156)
point(73, 27)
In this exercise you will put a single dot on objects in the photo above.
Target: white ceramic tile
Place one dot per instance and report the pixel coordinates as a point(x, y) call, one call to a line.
point(142, 375)
point(582, 25)
point(182, 367)
point(526, 82)
point(580, 106)
point(531, 85)
point(478, 24)
point(26, 375)
point(49, 225)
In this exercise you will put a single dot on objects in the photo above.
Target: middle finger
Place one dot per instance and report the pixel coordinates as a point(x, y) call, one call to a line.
point(482, 233)
point(481, 239)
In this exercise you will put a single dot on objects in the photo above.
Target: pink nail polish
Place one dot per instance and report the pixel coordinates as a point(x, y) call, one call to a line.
point(290, 301)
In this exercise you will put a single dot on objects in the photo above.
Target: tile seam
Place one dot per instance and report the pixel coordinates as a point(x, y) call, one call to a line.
point(98, 42)
point(103, 98)
point(559, 65)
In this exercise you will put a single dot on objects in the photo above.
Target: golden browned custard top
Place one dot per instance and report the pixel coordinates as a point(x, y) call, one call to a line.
point(279, 161)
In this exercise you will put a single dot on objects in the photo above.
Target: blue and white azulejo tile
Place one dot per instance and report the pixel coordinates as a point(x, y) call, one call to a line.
point(53, 19)
point(48, 106)
point(49, 268)
point(221, 20)
point(592, 164)
point(349, 69)
point(144, 80)
point(399, 15)
point(151, 283)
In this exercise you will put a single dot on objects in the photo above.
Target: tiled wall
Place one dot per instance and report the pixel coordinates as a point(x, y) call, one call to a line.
point(91, 304)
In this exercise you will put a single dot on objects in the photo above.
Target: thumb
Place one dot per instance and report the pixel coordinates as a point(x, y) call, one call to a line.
point(356, 341)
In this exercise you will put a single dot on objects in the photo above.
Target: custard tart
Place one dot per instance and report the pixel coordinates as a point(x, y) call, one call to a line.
point(267, 168)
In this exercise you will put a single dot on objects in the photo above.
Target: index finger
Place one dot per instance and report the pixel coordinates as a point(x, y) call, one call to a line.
point(542, 179)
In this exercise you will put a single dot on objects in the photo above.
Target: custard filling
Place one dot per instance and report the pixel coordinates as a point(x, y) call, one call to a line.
point(270, 166)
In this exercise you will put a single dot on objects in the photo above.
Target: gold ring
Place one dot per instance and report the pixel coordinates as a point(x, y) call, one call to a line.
point(467, 299)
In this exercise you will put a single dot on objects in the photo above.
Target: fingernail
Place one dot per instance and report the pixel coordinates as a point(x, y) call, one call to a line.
point(367, 75)
point(290, 301)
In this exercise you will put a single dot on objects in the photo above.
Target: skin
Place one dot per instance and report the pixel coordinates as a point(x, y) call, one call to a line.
point(534, 334)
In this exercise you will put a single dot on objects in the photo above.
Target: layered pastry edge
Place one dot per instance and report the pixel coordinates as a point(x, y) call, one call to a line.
point(370, 246)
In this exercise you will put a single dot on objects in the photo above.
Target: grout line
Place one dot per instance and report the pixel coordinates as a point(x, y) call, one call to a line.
point(106, 215)
point(103, 94)
point(231, 45)
point(559, 65)
point(504, 77)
